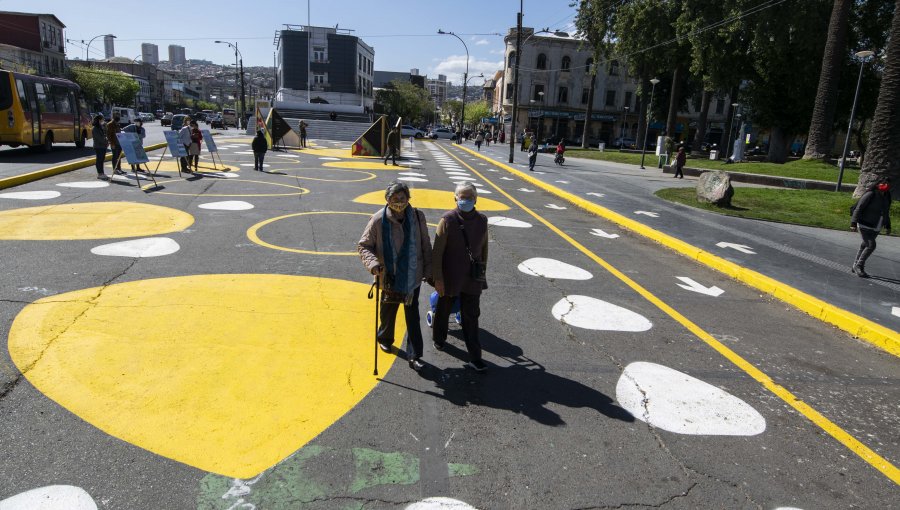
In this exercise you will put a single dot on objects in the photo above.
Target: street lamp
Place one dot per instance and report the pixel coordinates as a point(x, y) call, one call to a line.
point(734, 107)
point(654, 81)
point(238, 65)
point(624, 127)
point(465, 82)
point(862, 56)
point(87, 52)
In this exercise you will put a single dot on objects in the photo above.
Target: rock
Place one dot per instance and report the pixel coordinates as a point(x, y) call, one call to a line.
point(715, 188)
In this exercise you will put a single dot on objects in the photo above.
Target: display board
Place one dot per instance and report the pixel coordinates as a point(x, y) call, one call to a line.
point(132, 148)
point(174, 144)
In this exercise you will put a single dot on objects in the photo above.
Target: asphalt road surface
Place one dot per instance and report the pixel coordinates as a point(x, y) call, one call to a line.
point(208, 344)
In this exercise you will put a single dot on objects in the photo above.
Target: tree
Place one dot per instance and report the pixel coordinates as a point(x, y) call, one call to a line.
point(819, 142)
point(476, 111)
point(453, 108)
point(405, 100)
point(884, 138)
point(104, 86)
point(594, 24)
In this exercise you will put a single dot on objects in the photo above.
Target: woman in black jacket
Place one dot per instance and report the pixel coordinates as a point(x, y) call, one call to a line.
point(260, 145)
point(870, 214)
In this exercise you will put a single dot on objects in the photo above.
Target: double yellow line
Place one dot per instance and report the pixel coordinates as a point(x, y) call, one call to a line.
point(857, 447)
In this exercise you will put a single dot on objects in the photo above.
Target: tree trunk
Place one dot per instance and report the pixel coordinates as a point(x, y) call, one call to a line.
point(884, 138)
point(674, 100)
point(642, 109)
point(700, 135)
point(778, 145)
point(819, 142)
point(585, 141)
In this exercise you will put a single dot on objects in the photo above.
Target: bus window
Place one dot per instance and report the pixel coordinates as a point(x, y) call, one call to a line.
point(45, 101)
point(6, 93)
point(23, 99)
point(62, 100)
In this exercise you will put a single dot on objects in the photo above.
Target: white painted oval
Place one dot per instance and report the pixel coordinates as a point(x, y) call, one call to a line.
point(412, 179)
point(84, 184)
point(592, 313)
point(484, 192)
point(679, 403)
point(440, 503)
point(556, 269)
point(329, 159)
point(138, 248)
point(224, 175)
point(412, 174)
point(461, 178)
point(30, 195)
point(227, 205)
point(52, 497)
point(265, 165)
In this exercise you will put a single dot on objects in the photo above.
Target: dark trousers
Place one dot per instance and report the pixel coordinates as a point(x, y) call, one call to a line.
point(867, 246)
point(469, 310)
point(302, 140)
point(413, 335)
point(258, 160)
point(679, 171)
point(116, 157)
point(478, 145)
point(185, 161)
point(101, 158)
point(532, 159)
point(391, 153)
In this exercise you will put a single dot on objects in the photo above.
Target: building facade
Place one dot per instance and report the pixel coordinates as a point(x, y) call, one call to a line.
point(383, 79)
point(437, 89)
point(176, 54)
point(38, 44)
point(150, 53)
point(324, 65)
point(109, 46)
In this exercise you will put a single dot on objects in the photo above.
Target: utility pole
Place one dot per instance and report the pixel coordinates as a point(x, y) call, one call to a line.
point(243, 96)
point(515, 104)
point(590, 108)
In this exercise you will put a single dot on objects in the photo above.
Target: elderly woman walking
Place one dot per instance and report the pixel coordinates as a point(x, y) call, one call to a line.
point(396, 248)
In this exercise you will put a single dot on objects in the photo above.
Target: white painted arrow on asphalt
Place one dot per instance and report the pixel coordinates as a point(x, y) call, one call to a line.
point(563, 182)
point(599, 233)
point(693, 286)
point(895, 311)
point(601, 195)
point(506, 178)
point(739, 247)
point(647, 213)
point(526, 190)
point(554, 206)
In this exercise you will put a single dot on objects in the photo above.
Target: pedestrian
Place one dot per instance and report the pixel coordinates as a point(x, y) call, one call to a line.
point(396, 248)
point(260, 145)
point(112, 129)
point(303, 134)
point(196, 140)
point(136, 127)
point(459, 136)
point(479, 139)
point(524, 138)
point(184, 137)
point(412, 142)
point(532, 156)
point(459, 263)
point(680, 160)
point(502, 136)
point(332, 116)
point(98, 133)
point(870, 214)
point(487, 139)
point(393, 146)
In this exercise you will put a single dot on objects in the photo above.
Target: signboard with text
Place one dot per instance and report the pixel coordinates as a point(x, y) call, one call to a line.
point(208, 140)
point(132, 148)
point(174, 144)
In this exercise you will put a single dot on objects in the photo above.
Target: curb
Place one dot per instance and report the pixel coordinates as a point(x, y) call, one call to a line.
point(765, 180)
point(860, 327)
point(17, 180)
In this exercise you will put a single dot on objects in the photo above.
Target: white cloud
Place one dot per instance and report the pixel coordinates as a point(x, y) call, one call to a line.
point(481, 42)
point(455, 65)
point(498, 51)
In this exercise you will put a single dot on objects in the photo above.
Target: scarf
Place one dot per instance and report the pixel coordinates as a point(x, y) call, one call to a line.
point(402, 271)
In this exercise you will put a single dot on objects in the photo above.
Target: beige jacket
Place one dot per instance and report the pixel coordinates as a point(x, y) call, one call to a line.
point(371, 244)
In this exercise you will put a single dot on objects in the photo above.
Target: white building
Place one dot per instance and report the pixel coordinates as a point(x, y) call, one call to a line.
point(176, 54)
point(109, 46)
point(150, 53)
point(437, 89)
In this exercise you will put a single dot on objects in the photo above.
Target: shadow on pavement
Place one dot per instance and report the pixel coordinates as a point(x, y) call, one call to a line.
point(59, 154)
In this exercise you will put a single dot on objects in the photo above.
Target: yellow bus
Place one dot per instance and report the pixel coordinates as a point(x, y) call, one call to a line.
point(37, 112)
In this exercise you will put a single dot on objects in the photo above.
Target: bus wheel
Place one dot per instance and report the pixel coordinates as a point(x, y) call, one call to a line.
point(48, 143)
point(80, 141)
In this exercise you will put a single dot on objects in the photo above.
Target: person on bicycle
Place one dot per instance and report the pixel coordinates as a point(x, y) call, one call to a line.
point(560, 152)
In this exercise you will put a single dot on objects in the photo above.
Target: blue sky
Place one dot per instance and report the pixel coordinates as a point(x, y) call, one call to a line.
point(402, 33)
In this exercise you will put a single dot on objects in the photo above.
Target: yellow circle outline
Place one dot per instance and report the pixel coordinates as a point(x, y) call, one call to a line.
point(369, 178)
point(252, 234)
point(303, 191)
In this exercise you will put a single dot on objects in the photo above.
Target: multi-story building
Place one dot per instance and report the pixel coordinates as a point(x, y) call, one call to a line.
point(324, 65)
point(109, 46)
point(383, 79)
point(437, 88)
point(150, 53)
point(37, 44)
point(176, 54)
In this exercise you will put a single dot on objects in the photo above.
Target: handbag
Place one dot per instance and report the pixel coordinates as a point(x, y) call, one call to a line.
point(477, 268)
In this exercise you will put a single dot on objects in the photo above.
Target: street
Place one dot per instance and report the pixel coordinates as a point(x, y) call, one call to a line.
point(209, 344)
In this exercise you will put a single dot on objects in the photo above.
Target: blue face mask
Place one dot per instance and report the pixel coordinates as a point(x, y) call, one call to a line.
point(465, 204)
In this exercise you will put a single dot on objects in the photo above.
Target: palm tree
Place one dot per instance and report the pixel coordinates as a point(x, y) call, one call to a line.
point(819, 143)
point(884, 138)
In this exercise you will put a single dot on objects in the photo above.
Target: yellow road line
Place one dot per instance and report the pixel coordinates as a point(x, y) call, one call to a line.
point(857, 447)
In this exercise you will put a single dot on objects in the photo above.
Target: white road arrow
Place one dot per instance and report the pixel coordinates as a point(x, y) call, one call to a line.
point(601, 195)
point(526, 190)
point(739, 247)
point(599, 233)
point(700, 289)
point(563, 182)
point(647, 213)
point(895, 311)
point(506, 178)
point(554, 206)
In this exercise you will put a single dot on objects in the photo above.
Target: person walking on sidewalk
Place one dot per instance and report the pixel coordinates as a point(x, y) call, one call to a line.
point(479, 139)
point(260, 145)
point(184, 137)
point(112, 129)
point(532, 156)
point(98, 132)
point(459, 263)
point(303, 134)
point(393, 146)
point(870, 214)
point(680, 160)
point(396, 248)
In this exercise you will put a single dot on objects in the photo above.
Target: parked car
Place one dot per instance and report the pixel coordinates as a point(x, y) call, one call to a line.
point(215, 121)
point(126, 115)
point(407, 131)
point(159, 114)
point(180, 120)
point(166, 119)
point(624, 143)
point(441, 133)
point(229, 117)
point(147, 117)
point(199, 116)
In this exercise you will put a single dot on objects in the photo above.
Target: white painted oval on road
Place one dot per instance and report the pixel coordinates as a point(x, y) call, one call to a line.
point(84, 184)
point(592, 313)
point(30, 195)
point(502, 221)
point(412, 179)
point(412, 174)
point(227, 205)
point(138, 248)
point(328, 158)
point(556, 269)
point(440, 503)
point(52, 497)
point(674, 401)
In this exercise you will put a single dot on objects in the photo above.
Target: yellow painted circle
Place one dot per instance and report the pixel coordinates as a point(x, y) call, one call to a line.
point(368, 176)
point(253, 233)
point(365, 165)
point(231, 373)
point(432, 199)
point(326, 152)
point(301, 191)
point(93, 220)
point(203, 167)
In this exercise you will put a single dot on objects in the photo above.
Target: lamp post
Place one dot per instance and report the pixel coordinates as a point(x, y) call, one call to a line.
point(734, 107)
point(87, 52)
point(239, 68)
point(624, 126)
point(654, 81)
point(862, 56)
point(462, 122)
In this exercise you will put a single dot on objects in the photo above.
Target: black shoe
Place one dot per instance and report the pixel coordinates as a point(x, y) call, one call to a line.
point(477, 366)
point(384, 347)
point(438, 346)
point(860, 271)
point(416, 364)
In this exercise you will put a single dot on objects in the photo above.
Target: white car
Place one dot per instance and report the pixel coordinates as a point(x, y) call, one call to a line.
point(406, 131)
point(441, 133)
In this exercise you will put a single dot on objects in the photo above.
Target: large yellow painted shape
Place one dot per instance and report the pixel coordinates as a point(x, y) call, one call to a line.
point(432, 199)
point(92, 220)
point(226, 373)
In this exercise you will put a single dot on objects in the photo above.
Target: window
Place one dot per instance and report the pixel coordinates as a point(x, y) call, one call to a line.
point(563, 95)
point(44, 100)
point(509, 91)
point(610, 98)
point(538, 93)
point(720, 106)
point(566, 63)
point(588, 66)
point(512, 59)
point(585, 95)
point(542, 61)
point(628, 99)
point(614, 68)
point(320, 79)
point(319, 54)
point(359, 62)
point(23, 99)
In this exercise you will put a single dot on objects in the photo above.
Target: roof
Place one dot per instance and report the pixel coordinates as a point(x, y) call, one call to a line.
point(36, 14)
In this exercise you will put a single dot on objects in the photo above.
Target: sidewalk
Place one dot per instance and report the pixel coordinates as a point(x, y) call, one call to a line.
point(812, 260)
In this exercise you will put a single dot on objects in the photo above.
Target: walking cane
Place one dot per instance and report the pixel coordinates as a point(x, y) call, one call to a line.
point(375, 289)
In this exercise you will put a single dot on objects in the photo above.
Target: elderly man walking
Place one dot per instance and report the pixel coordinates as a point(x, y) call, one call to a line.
point(459, 266)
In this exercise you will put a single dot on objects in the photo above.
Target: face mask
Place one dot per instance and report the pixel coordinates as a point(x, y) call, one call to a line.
point(883, 187)
point(465, 204)
point(398, 208)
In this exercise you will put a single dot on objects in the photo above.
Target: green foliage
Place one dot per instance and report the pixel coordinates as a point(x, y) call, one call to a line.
point(105, 86)
point(405, 100)
point(206, 105)
point(476, 111)
point(452, 110)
